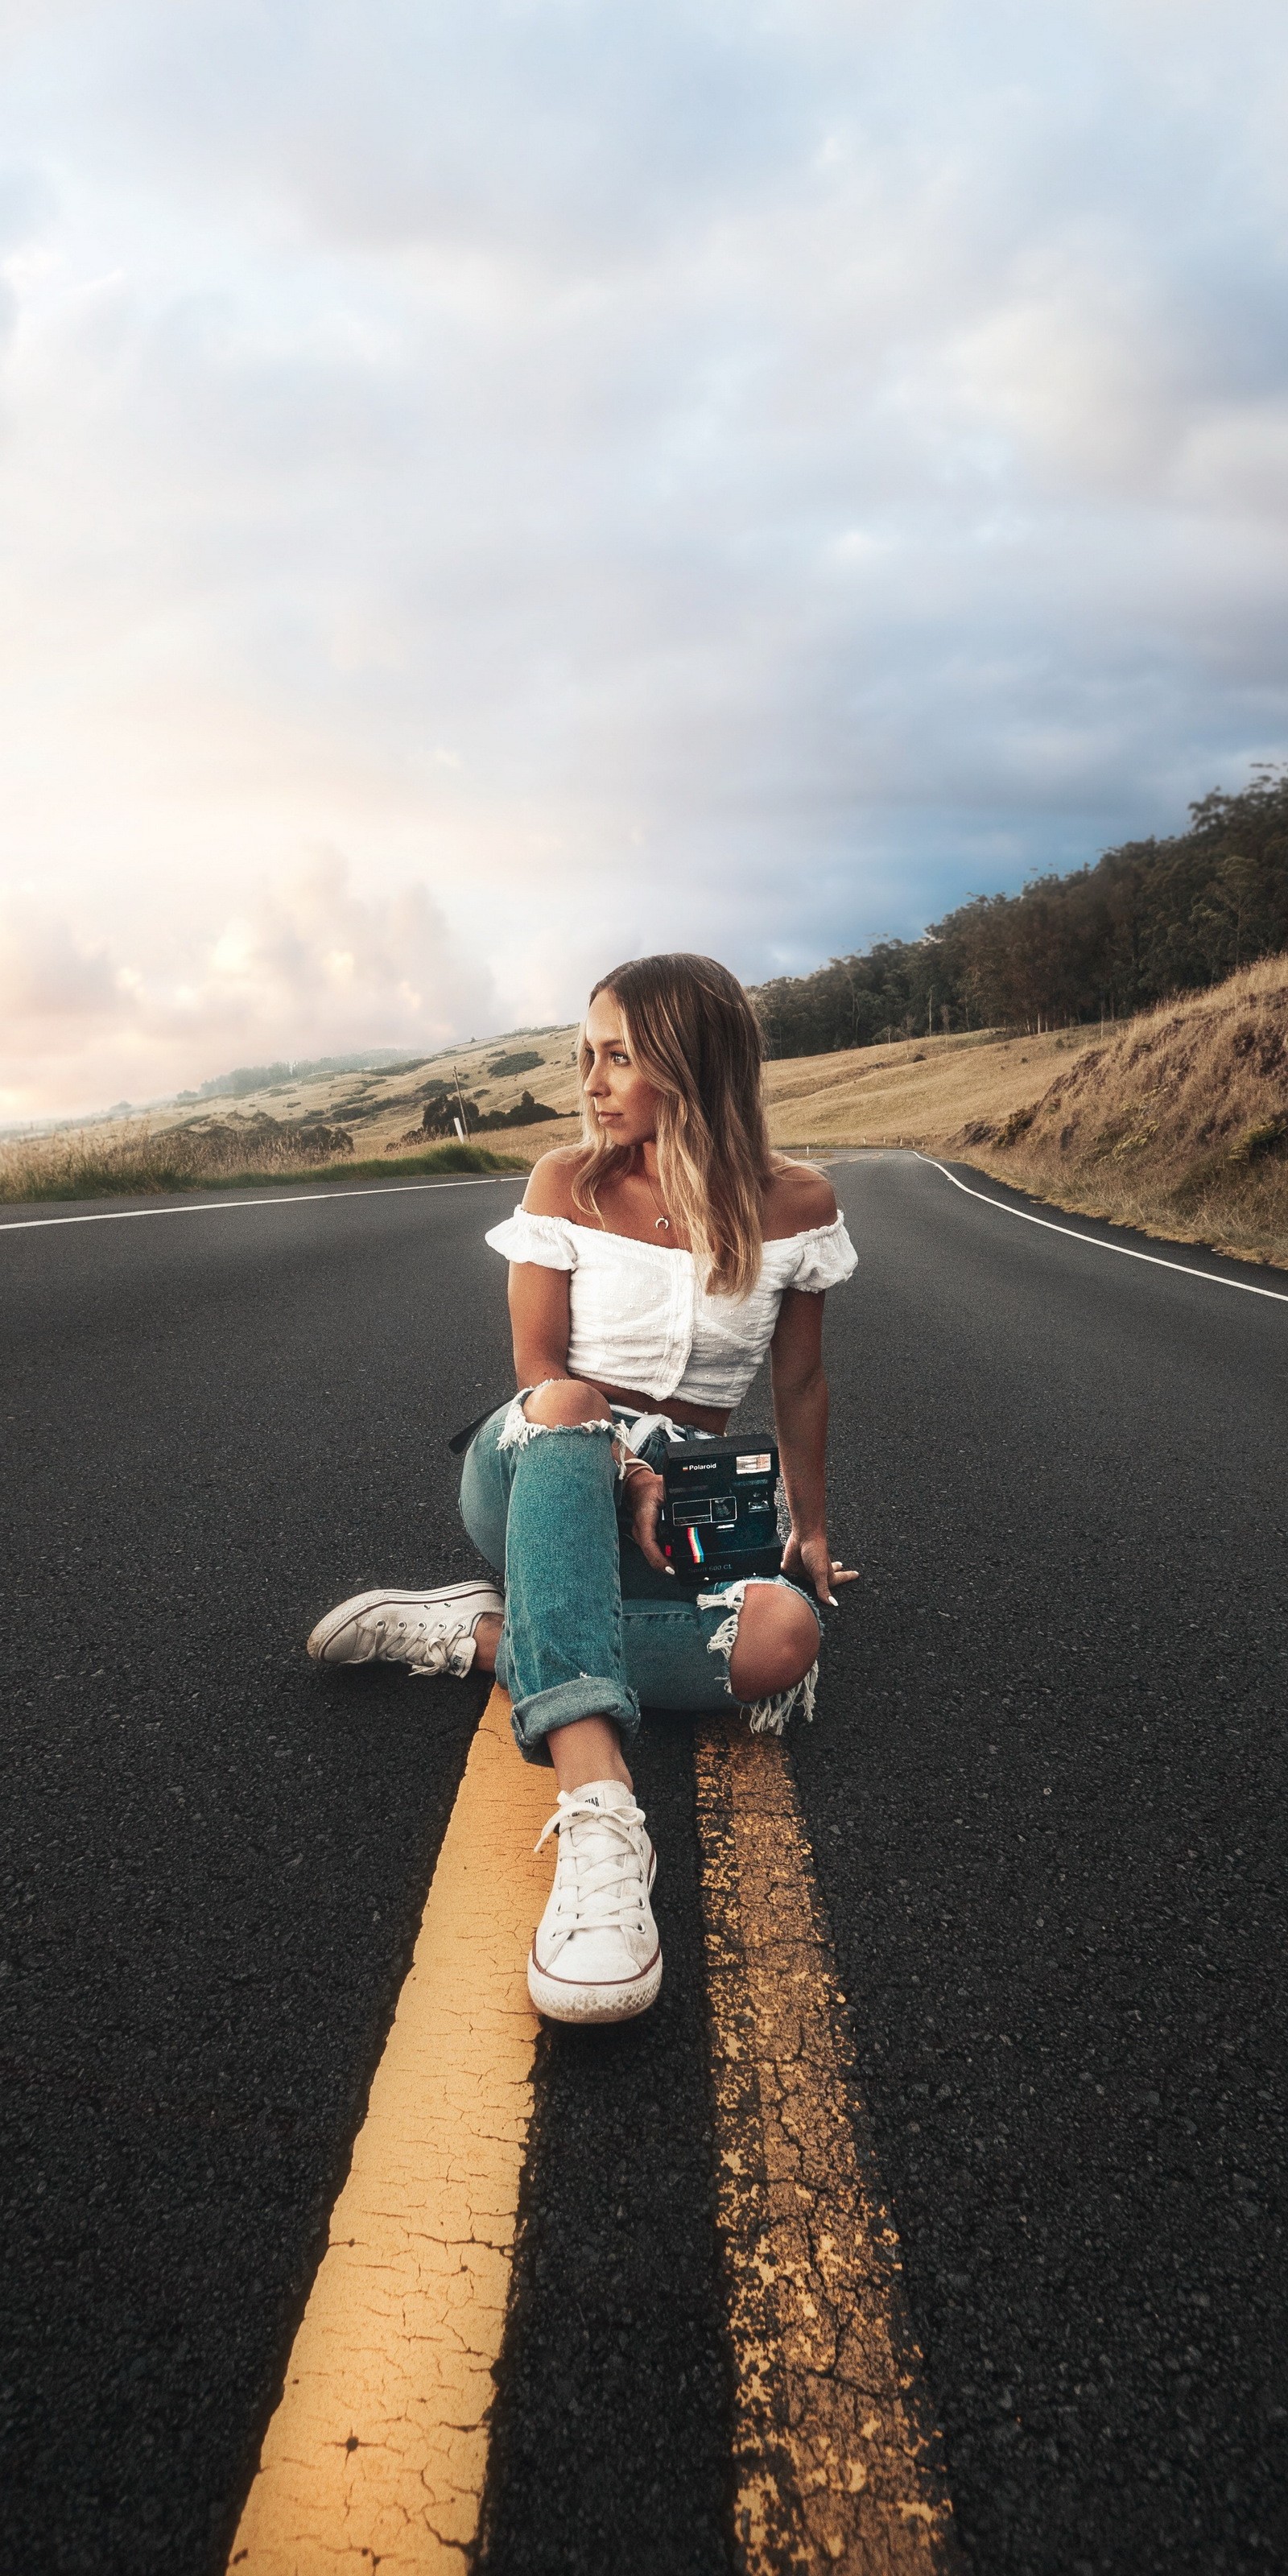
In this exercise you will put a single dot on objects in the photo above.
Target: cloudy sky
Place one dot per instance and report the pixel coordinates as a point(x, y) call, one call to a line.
point(487, 489)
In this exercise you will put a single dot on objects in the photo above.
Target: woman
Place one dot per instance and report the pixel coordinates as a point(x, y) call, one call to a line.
point(651, 1266)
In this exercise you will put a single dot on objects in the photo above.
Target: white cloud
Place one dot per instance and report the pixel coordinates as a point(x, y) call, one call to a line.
point(687, 476)
point(306, 968)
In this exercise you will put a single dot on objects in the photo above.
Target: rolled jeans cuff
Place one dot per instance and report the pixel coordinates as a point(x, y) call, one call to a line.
point(535, 1718)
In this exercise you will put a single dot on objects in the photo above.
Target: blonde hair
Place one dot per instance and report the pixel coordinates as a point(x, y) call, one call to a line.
point(693, 1034)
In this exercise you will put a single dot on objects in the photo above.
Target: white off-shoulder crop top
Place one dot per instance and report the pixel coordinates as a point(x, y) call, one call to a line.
point(640, 1317)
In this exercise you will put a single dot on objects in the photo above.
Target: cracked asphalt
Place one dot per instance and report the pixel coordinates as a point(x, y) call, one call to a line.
point(1045, 1797)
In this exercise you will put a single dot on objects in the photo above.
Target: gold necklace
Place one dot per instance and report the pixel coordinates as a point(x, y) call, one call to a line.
point(661, 1219)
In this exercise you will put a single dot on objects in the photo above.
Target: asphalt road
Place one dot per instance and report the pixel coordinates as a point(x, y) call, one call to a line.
point(1044, 1788)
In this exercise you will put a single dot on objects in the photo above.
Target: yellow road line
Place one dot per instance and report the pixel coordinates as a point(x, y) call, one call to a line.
point(377, 2451)
point(836, 2460)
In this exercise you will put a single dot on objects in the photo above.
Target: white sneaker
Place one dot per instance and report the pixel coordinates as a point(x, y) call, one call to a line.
point(431, 1631)
point(595, 1953)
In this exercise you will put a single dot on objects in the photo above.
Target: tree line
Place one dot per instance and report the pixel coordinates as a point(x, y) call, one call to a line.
point(292, 1069)
point(1140, 923)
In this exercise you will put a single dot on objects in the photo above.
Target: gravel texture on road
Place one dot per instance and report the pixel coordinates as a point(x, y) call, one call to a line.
point(612, 2435)
point(215, 1858)
point(1045, 1796)
point(1046, 1799)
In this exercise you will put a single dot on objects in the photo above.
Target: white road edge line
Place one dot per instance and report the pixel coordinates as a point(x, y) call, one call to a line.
point(1279, 1296)
point(287, 1198)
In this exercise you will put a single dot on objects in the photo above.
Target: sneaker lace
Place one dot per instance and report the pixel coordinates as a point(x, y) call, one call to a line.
point(601, 1883)
point(428, 1646)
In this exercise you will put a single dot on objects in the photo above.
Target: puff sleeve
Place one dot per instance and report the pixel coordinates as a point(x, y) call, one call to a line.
point(827, 1257)
point(545, 1240)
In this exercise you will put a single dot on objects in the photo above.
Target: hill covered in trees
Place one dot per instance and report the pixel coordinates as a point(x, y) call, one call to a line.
point(1143, 923)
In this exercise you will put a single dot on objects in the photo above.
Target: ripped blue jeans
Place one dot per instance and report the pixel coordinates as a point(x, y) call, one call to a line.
point(591, 1629)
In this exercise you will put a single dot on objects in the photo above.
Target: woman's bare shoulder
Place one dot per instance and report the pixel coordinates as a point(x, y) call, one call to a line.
point(549, 1190)
point(799, 1199)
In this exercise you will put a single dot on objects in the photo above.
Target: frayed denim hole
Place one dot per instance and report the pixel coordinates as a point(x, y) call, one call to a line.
point(517, 1430)
point(764, 1716)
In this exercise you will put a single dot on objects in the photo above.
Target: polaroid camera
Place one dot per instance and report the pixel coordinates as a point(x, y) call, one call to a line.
point(719, 1518)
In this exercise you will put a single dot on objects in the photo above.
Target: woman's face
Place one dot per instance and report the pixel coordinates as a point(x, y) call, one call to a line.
point(624, 1103)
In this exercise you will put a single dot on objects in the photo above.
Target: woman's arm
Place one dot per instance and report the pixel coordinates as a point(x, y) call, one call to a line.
point(800, 1412)
point(539, 1322)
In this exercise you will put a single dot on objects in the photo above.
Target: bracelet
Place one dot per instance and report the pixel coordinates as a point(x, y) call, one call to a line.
point(628, 1463)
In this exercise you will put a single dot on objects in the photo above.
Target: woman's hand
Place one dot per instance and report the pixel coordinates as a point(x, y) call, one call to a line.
point(807, 1561)
point(644, 1497)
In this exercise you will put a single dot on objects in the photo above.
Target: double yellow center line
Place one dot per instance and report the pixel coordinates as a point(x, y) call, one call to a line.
point(377, 2453)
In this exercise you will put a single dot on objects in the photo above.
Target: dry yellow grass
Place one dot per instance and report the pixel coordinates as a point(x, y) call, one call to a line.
point(913, 1093)
point(1178, 1124)
point(143, 1165)
point(138, 1158)
point(269, 1134)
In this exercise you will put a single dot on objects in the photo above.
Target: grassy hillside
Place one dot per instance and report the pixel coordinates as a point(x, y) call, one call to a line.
point(1179, 1124)
point(152, 1165)
point(1176, 1121)
point(300, 1126)
point(916, 1090)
